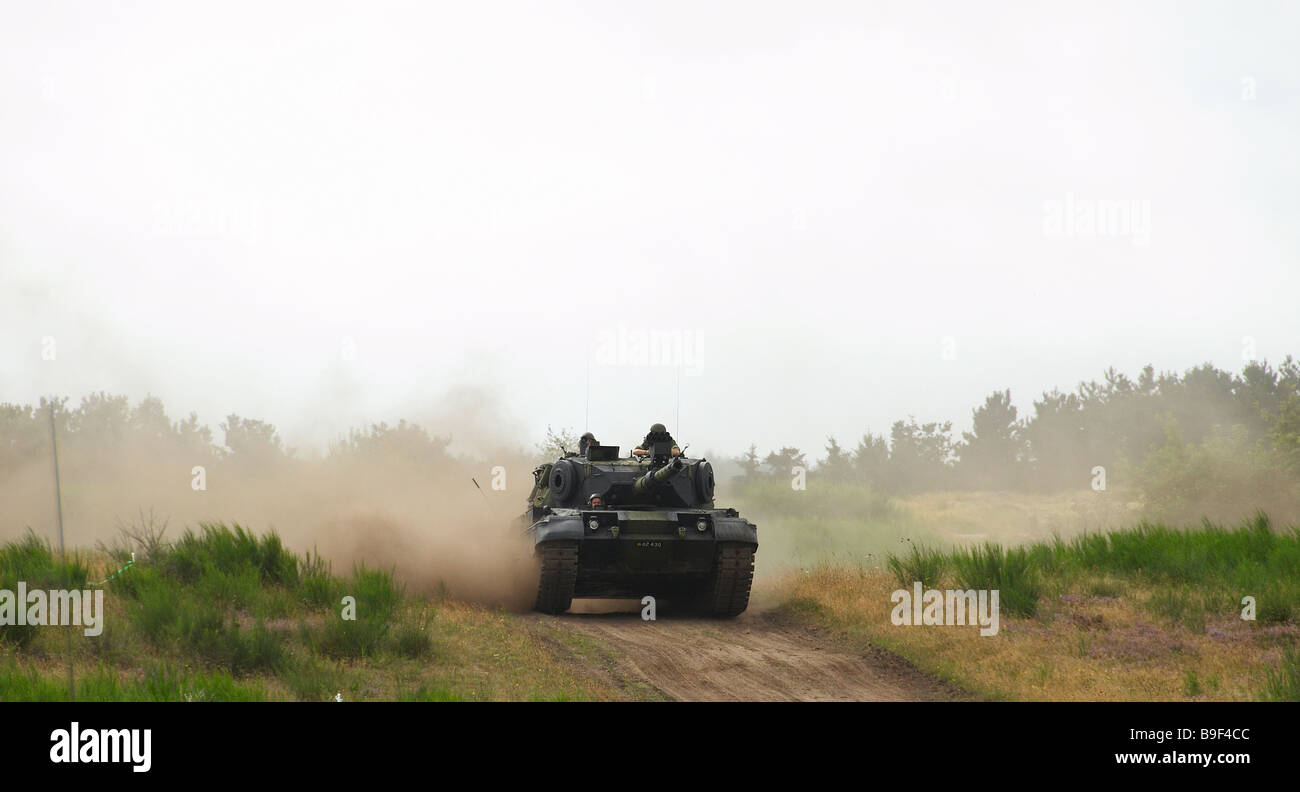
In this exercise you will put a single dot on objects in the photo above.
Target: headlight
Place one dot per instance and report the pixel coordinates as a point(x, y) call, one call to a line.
point(593, 524)
point(702, 525)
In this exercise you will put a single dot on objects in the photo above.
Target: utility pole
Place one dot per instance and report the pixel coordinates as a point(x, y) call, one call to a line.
point(63, 553)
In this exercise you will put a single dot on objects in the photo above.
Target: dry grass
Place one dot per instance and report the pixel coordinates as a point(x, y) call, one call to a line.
point(1079, 647)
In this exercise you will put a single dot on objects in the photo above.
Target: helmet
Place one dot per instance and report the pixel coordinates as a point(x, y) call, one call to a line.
point(658, 429)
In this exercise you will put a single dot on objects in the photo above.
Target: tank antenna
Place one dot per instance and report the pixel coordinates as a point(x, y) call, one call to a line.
point(586, 415)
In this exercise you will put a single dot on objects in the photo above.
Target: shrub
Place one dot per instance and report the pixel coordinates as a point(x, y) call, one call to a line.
point(413, 640)
point(311, 680)
point(217, 547)
point(377, 596)
point(317, 585)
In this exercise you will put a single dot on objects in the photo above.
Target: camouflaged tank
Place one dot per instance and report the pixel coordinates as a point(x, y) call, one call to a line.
point(605, 526)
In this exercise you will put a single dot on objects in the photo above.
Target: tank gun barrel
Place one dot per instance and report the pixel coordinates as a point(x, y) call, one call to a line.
point(655, 478)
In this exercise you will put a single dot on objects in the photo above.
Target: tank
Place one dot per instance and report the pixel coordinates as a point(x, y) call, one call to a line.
point(609, 527)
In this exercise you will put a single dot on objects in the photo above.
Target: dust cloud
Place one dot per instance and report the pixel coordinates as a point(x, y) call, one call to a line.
point(388, 496)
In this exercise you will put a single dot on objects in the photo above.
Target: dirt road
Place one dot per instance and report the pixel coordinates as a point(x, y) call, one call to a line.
point(755, 657)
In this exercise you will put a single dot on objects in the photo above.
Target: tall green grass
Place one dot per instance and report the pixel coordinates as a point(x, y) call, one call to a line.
point(1242, 555)
point(377, 596)
point(1210, 567)
point(1284, 683)
point(216, 548)
point(186, 621)
point(988, 567)
point(210, 593)
point(1009, 571)
point(317, 585)
point(32, 561)
point(160, 682)
point(1199, 569)
point(925, 564)
point(217, 601)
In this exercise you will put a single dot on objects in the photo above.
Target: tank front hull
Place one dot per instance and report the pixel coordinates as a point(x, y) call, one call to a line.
point(631, 554)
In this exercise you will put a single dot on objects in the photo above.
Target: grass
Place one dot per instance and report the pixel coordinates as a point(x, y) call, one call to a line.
point(1283, 683)
point(31, 561)
point(1150, 612)
point(161, 682)
point(364, 616)
point(852, 524)
point(924, 564)
point(216, 550)
point(224, 614)
point(986, 567)
point(1200, 571)
point(1195, 571)
point(1089, 649)
point(413, 640)
point(991, 567)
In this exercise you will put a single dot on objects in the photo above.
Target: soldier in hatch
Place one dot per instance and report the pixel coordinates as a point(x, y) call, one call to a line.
point(658, 434)
point(586, 441)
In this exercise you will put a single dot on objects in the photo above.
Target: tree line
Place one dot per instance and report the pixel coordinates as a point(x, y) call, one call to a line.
point(1140, 428)
point(106, 427)
point(1172, 434)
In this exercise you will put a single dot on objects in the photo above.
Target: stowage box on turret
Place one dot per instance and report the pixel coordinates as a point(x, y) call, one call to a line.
point(605, 526)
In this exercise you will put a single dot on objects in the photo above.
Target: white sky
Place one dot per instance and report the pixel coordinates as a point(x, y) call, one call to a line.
point(204, 201)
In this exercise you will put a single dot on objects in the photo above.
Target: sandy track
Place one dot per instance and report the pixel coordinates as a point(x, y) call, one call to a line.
point(751, 658)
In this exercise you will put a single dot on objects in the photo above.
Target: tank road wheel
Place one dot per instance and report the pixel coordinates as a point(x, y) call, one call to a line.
point(727, 591)
point(559, 562)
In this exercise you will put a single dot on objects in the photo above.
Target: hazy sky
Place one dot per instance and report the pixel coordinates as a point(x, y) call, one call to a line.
point(322, 214)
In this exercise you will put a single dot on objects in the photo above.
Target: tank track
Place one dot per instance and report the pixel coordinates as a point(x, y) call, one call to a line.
point(559, 563)
point(727, 593)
